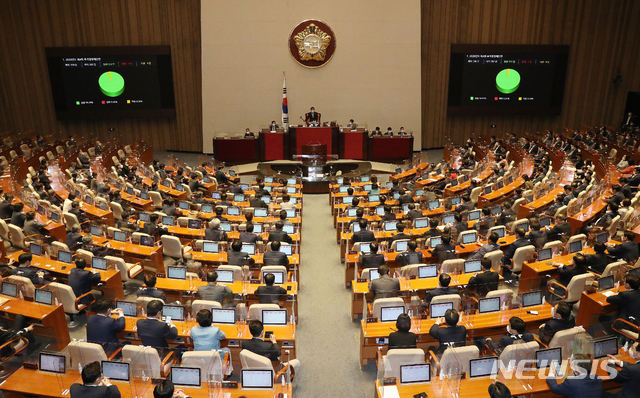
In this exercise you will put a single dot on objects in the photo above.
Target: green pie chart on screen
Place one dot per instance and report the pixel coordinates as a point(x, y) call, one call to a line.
point(507, 81)
point(111, 84)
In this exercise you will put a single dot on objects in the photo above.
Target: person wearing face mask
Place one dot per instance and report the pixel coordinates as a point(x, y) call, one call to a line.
point(561, 319)
point(516, 332)
point(582, 384)
point(312, 117)
point(628, 375)
point(628, 250)
point(628, 303)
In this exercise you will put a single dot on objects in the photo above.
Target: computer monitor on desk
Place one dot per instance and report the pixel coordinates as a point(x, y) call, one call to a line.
point(194, 224)
point(606, 283)
point(545, 357)
point(43, 297)
point(469, 238)
point(474, 215)
point(279, 276)
point(438, 310)
point(602, 237)
point(434, 241)
point(147, 241)
point(427, 271)
point(434, 204)
point(545, 254)
point(450, 219)
point(99, 263)
point(605, 346)
point(418, 373)
point(531, 299)
point(210, 247)
point(289, 228)
point(390, 225)
point(287, 249)
point(421, 222)
point(144, 217)
point(128, 308)
point(176, 312)
point(483, 367)
point(225, 316)
point(486, 305)
point(261, 212)
point(257, 379)
point(575, 246)
point(35, 249)
point(115, 370)
point(390, 314)
point(189, 377)
point(401, 245)
point(53, 363)
point(96, 230)
point(168, 221)
point(501, 232)
point(249, 248)
point(176, 272)
point(274, 317)
point(225, 276)
point(64, 256)
point(119, 236)
point(373, 274)
point(472, 266)
point(233, 211)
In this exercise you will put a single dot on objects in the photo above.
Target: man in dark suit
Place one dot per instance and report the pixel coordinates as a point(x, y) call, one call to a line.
point(212, 291)
point(364, 235)
point(617, 196)
point(452, 335)
point(220, 176)
point(74, 238)
point(628, 250)
point(6, 208)
point(75, 210)
point(237, 257)
point(485, 281)
point(257, 345)
point(443, 280)
point(561, 228)
point(628, 375)
point(508, 214)
point(491, 245)
point(101, 328)
point(150, 290)
point(516, 331)
point(487, 221)
point(94, 384)
point(537, 237)
point(597, 262)
point(412, 214)
point(582, 384)
point(567, 272)
point(279, 234)
point(17, 217)
point(152, 331)
point(521, 241)
point(153, 227)
point(373, 259)
point(267, 293)
point(467, 204)
point(411, 256)
point(400, 235)
point(445, 250)
point(80, 280)
point(275, 256)
point(388, 214)
point(25, 269)
point(257, 202)
point(312, 117)
point(403, 337)
point(628, 301)
point(459, 225)
point(433, 228)
point(247, 236)
point(214, 232)
point(498, 390)
point(384, 286)
point(561, 320)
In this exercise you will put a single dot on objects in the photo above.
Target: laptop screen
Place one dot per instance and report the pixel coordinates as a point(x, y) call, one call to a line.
point(168, 221)
point(419, 373)
point(226, 226)
point(604, 347)
point(380, 211)
point(128, 308)
point(448, 219)
point(438, 310)
point(144, 217)
point(500, 231)
point(373, 274)
point(291, 181)
point(575, 247)
point(455, 200)
point(176, 312)
point(238, 198)
point(343, 189)
point(401, 245)
point(286, 249)
point(434, 204)
point(183, 205)
point(488, 305)
point(147, 241)
point(206, 209)
point(545, 222)
point(374, 198)
point(116, 370)
point(225, 276)
point(44, 297)
point(144, 195)
point(474, 215)
point(99, 263)
point(119, 236)
point(176, 272)
point(279, 276)
point(249, 248)
point(390, 225)
point(435, 241)
point(291, 213)
point(233, 211)
point(55, 217)
point(427, 271)
point(421, 223)
point(365, 179)
point(289, 228)
point(215, 195)
point(390, 314)
point(260, 212)
point(602, 237)
point(223, 316)
point(262, 379)
point(96, 230)
point(546, 357)
point(531, 299)
point(185, 376)
point(469, 238)
point(487, 190)
point(52, 363)
point(472, 266)
point(64, 256)
point(545, 254)
point(605, 283)
point(210, 247)
point(483, 367)
point(351, 212)
point(35, 249)
point(194, 224)
point(274, 317)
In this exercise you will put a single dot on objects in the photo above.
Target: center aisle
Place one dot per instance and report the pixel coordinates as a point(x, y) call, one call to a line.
point(327, 341)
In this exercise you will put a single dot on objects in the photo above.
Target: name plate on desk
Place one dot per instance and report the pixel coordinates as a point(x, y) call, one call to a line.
point(372, 319)
point(361, 280)
point(233, 343)
point(389, 381)
point(255, 281)
point(229, 384)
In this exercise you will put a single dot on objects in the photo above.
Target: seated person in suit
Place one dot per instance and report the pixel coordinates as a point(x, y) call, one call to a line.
point(248, 236)
point(283, 217)
point(538, 238)
point(219, 210)
point(270, 349)
point(257, 202)
point(94, 384)
point(568, 272)
point(388, 215)
point(80, 280)
point(499, 390)
point(212, 291)
point(458, 225)
point(153, 227)
point(628, 302)
point(103, 329)
point(364, 235)
point(400, 235)
point(561, 320)
point(166, 389)
point(273, 126)
point(433, 228)
point(238, 257)
point(562, 228)
point(485, 281)
point(359, 216)
point(25, 269)
point(384, 286)
point(267, 293)
point(275, 256)
point(628, 375)
point(74, 238)
point(205, 336)
point(491, 245)
point(581, 384)
point(286, 202)
point(467, 204)
point(412, 214)
point(312, 117)
point(558, 203)
point(372, 259)
point(402, 338)
point(150, 290)
point(152, 331)
point(597, 262)
point(516, 331)
point(508, 214)
point(75, 210)
point(487, 221)
point(520, 241)
point(443, 280)
point(389, 132)
point(411, 256)
point(214, 232)
point(628, 250)
point(453, 335)
point(279, 234)
point(445, 250)
point(17, 217)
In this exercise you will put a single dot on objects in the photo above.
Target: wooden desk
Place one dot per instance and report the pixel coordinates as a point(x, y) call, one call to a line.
point(460, 188)
point(135, 252)
point(221, 258)
point(594, 304)
point(532, 273)
point(487, 325)
point(51, 318)
point(53, 385)
point(409, 173)
point(390, 149)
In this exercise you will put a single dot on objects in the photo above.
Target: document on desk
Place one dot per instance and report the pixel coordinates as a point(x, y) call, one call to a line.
point(390, 392)
point(609, 293)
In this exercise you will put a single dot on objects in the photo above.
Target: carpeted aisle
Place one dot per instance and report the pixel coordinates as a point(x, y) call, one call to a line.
point(328, 343)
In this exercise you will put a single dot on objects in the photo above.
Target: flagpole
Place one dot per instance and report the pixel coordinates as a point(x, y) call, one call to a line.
point(285, 106)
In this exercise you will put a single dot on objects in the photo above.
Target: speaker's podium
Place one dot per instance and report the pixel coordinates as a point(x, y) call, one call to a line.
point(274, 145)
point(299, 136)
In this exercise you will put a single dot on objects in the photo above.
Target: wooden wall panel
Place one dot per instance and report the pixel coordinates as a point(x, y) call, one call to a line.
point(603, 37)
point(28, 26)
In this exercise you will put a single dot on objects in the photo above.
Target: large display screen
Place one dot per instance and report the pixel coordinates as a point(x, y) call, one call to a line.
point(507, 79)
point(111, 82)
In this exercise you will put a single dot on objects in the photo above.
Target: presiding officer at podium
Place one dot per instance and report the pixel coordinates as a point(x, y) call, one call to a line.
point(312, 117)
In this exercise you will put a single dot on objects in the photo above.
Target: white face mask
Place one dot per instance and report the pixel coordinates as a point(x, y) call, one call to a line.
point(553, 312)
point(509, 329)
